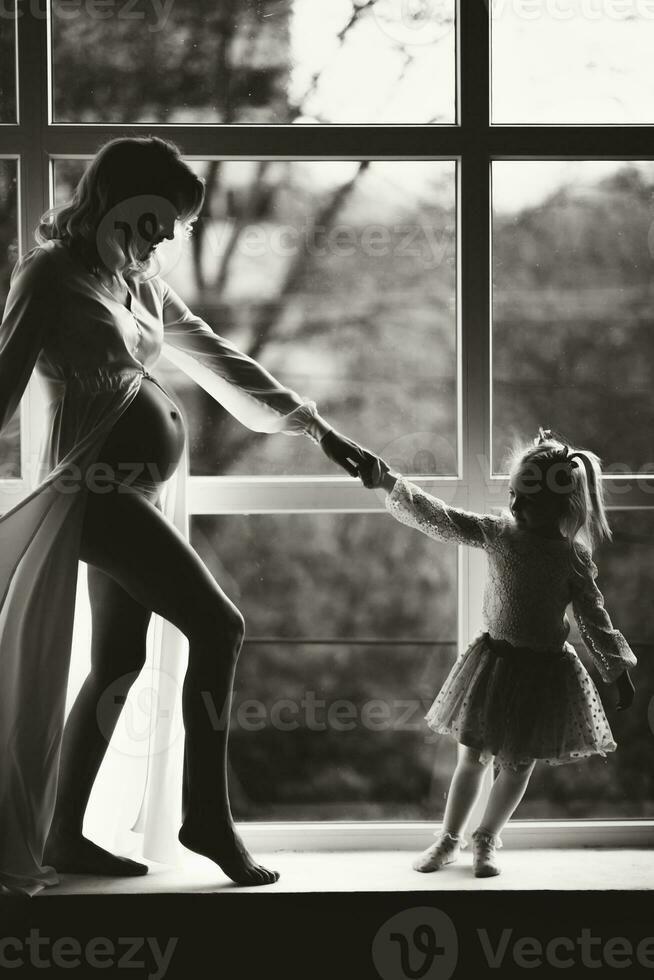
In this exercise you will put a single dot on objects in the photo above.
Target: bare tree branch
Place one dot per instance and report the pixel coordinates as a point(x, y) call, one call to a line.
point(222, 88)
point(268, 316)
point(245, 216)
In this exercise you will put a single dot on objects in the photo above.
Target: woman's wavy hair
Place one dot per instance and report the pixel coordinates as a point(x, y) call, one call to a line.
point(122, 168)
point(575, 476)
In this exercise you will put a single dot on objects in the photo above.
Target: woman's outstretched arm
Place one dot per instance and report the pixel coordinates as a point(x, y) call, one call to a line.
point(244, 387)
point(30, 306)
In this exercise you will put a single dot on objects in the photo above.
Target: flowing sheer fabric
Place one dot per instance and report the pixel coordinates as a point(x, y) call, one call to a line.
point(91, 354)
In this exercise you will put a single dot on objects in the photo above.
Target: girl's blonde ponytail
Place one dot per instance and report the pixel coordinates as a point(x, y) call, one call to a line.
point(584, 516)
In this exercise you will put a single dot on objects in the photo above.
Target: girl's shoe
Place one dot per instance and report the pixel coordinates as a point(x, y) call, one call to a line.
point(444, 851)
point(484, 863)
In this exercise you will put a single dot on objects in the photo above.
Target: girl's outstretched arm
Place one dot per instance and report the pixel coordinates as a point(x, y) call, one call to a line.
point(411, 505)
point(607, 646)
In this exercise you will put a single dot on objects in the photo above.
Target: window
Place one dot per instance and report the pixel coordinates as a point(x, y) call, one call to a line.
point(275, 62)
point(572, 61)
point(332, 687)
point(340, 276)
point(572, 297)
point(620, 786)
point(444, 250)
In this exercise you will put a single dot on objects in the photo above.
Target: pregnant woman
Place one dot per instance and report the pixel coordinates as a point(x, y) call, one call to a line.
point(85, 308)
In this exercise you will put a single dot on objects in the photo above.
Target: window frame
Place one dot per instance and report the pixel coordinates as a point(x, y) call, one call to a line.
point(35, 141)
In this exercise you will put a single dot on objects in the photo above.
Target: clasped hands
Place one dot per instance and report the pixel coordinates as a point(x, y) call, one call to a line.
point(372, 470)
point(354, 459)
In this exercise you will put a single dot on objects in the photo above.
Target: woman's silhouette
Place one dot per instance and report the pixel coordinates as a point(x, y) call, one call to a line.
point(85, 308)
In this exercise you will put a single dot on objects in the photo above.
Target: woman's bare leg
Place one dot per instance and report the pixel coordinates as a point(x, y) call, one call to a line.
point(128, 538)
point(118, 641)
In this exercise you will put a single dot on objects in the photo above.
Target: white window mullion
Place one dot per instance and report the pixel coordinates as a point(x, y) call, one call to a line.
point(275, 495)
point(33, 196)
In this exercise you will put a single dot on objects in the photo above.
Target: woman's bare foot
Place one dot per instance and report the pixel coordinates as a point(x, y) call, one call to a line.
point(74, 854)
point(227, 849)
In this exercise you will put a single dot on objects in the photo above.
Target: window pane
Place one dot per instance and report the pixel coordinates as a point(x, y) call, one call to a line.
point(578, 61)
point(8, 112)
point(10, 435)
point(338, 669)
point(340, 278)
point(256, 61)
point(622, 785)
point(572, 334)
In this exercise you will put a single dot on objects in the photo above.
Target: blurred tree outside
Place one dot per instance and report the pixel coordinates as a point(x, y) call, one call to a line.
point(333, 326)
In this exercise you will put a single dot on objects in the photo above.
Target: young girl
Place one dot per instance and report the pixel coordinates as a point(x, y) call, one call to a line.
point(519, 693)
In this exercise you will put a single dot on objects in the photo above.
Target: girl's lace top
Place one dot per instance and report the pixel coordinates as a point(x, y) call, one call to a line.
point(531, 580)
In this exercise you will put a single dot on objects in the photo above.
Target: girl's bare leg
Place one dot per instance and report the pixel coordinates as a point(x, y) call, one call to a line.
point(127, 538)
point(118, 649)
point(508, 789)
point(464, 790)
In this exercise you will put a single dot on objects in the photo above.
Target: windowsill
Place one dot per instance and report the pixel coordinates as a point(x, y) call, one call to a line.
point(387, 871)
point(393, 836)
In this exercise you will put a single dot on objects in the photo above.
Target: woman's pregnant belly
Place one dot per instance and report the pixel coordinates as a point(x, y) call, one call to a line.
point(146, 443)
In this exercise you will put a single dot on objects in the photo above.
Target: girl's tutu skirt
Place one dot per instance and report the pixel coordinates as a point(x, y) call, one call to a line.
point(519, 704)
